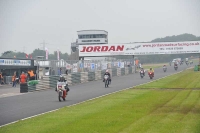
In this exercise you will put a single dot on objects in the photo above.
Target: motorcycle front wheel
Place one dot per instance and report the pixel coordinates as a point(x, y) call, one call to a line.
point(106, 83)
point(59, 96)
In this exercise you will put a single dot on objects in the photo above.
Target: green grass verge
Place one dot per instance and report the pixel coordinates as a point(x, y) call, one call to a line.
point(185, 80)
point(133, 110)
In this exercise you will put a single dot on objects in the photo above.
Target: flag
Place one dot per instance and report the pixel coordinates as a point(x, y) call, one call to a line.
point(46, 53)
point(58, 54)
point(27, 56)
point(30, 56)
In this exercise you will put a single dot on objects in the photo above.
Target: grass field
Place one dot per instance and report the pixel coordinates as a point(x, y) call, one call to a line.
point(170, 105)
point(147, 66)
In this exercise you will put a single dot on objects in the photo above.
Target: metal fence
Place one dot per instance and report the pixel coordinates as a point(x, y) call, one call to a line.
point(55, 67)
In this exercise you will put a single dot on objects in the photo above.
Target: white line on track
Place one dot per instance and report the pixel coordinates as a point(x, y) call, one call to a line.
point(90, 99)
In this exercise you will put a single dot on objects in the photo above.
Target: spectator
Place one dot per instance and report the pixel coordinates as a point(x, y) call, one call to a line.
point(66, 72)
point(14, 80)
point(23, 78)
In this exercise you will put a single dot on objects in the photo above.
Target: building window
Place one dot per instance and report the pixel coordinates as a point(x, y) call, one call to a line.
point(92, 36)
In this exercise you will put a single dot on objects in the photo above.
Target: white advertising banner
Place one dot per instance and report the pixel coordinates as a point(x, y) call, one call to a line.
point(75, 69)
point(140, 48)
point(122, 65)
point(13, 62)
point(103, 66)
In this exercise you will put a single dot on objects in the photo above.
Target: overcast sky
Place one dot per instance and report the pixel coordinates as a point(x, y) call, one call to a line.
point(24, 24)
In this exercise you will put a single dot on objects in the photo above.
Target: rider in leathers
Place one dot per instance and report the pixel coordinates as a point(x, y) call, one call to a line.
point(107, 73)
point(62, 79)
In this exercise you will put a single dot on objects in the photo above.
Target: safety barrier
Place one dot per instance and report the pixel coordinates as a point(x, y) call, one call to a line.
point(122, 71)
point(50, 82)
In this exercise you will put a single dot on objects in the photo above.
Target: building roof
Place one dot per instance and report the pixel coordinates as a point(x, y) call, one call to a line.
point(91, 30)
point(16, 58)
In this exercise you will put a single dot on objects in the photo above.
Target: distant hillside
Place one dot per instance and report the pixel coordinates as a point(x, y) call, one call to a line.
point(182, 37)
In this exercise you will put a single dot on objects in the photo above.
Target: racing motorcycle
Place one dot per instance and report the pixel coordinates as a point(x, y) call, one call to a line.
point(62, 89)
point(106, 80)
point(164, 68)
point(142, 74)
point(151, 75)
point(176, 67)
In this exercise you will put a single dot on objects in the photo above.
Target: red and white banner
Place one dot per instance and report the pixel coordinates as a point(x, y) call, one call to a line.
point(58, 54)
point(27, 56)
point(47, 53)
point(140, 48)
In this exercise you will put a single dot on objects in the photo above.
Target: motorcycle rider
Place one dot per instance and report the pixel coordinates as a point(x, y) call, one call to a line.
point(151, 71)
point(109, 79)
point(164, 67)
point(175, 64)
point(142, 70)
point(62, 79)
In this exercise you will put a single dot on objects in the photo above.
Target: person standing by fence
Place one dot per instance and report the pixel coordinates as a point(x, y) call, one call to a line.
point(14, 80)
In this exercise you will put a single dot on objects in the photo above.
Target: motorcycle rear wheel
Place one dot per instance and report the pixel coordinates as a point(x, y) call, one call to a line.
point(59, 96)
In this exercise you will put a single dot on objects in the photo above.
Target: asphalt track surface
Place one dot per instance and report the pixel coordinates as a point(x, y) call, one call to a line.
point(18, 107)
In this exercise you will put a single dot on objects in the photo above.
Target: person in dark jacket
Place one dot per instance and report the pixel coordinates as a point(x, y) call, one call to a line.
point(107, 73)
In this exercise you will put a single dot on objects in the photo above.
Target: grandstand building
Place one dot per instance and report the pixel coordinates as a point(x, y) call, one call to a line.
point(89, 37)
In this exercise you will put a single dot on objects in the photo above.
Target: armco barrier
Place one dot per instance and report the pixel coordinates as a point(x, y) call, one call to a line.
point(91, 76)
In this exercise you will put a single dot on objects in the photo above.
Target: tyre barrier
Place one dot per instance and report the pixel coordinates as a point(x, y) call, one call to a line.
point(102, 73)
point(91, 76)
point(23, 88)
point(114, 72)
point(122, 71)
point(50, 82)
point(76, 78)
point(31, 88)
point(129, 70)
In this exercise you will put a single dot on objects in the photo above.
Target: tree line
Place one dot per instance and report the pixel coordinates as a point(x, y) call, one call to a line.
point(142, 58)
point(34, 54)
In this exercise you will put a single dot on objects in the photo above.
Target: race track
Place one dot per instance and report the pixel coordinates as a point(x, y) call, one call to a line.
point(21, 106)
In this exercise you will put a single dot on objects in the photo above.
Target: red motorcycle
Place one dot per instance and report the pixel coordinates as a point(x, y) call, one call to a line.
point(151, 75)
point(62, 93)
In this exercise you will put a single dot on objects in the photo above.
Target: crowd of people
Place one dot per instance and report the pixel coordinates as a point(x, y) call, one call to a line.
point(19, 79)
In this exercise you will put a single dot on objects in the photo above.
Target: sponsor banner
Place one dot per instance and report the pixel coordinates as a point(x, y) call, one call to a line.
point(68, 66)
point(92, 66)
point(140, 48)
point(122, 65)
point(75, 69)
point(11, 62)
point(103, 66)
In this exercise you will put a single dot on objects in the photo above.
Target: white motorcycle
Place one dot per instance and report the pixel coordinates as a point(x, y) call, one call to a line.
point(106, 80)
point(164, 68)
point(62, 89)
